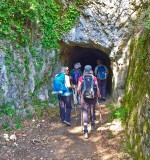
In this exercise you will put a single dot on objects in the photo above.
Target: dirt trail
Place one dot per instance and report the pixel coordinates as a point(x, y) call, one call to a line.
point(49, 139)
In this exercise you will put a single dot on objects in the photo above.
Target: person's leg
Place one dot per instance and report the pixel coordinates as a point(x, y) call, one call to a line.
point(92, 113)
point(67, 100)
point(103, 86)
point(78, 96)
point(99, 86)
point(99, 83)
point(75, 100)
point(84, 107)
point(61, 107)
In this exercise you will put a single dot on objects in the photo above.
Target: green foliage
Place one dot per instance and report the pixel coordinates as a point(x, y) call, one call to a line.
point(26, 63)
point(147, 19)
point(29, 115)
point(18, 122)
point(39, 107)
point(138, 74)
point(53, 99)
point(42, 108)
point(23, 21)
point(110, 107)
point(110, 135)
point(120, 113)
point(137, 94)
point(69, 18)
point(6, 126)
point(53, 111)
point(8, 109)
point(147, 25)
point(1, 96)
point(39, 112)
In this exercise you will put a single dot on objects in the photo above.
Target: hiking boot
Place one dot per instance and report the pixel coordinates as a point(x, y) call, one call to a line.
point(67, 123)
point(104, 99)
point(99, 100)
point(79, 103)
point(75, 105)
point(86, 136)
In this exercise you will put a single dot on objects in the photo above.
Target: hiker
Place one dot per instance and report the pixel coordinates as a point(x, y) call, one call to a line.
point(88, 90)
point(74, 76)
point(63, 86)
point(101, 72)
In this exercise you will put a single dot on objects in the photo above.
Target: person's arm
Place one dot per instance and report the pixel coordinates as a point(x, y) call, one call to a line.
point(79, 85)
point(67, 82)
point(70, 73)
point(95, 71)
point(106, 70)
point(96, 83)
point(80, 72)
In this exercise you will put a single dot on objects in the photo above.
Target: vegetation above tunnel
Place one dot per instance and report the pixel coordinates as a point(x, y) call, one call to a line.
point(24, 21)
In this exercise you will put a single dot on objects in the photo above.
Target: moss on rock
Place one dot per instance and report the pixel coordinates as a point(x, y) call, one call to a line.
point(137, 96)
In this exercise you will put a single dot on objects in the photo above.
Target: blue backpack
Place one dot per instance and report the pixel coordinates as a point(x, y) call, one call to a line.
point(59, 84)
point(75, 76)
point(102, 74)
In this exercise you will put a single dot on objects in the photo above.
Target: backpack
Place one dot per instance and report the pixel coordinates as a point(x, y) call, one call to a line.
point(102, 74)
point(75, 76)
point(59, 83)
point(88, 87)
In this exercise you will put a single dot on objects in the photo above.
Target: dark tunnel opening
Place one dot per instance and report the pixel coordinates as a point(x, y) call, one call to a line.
point(86, 56)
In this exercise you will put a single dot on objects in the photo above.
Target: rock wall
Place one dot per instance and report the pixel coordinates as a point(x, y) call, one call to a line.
point(137, 97)
point(25, 75)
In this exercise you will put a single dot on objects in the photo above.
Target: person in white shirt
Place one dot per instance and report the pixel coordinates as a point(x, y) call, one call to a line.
point(65, 99)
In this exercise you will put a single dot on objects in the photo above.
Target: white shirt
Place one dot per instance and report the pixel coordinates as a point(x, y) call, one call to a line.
point(67, 81)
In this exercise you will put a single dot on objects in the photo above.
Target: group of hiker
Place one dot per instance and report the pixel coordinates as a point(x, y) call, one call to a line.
point(83, 88)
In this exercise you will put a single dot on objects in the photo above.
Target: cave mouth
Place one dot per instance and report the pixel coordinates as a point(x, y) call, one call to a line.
point(86, 56)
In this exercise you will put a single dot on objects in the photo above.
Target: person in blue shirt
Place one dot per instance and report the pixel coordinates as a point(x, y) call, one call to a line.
point(101, 82)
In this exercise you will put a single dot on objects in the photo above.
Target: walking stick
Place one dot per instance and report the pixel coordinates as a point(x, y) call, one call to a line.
point(100, 113)
point(81, 118)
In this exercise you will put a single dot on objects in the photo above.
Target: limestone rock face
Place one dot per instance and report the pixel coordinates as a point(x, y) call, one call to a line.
point(104, 24)
point(25, 77)
point(107, 25)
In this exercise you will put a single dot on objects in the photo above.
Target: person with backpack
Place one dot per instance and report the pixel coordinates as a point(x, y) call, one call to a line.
point(101, 72)
point(88, 90)
point(74, 76)
point(62, 86)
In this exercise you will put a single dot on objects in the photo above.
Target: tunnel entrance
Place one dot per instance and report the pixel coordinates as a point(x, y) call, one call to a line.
point(86, 56)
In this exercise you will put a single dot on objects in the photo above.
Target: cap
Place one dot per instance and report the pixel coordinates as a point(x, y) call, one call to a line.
point(79, 64)
point(87, 68)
